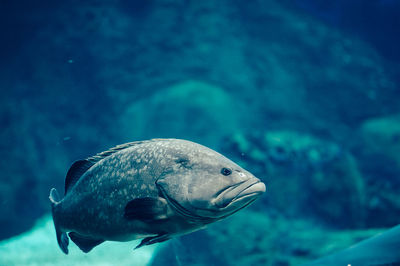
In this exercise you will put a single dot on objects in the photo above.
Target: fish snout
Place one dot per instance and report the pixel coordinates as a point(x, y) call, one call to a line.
point(240, 194)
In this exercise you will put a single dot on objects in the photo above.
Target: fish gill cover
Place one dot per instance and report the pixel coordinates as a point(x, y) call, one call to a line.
point(304, 95)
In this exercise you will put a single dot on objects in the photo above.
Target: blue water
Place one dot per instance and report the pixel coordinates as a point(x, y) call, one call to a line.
point(304, 94)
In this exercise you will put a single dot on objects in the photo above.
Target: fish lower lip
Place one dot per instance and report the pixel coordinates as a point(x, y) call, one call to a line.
point(252, 190)
point(240, 191)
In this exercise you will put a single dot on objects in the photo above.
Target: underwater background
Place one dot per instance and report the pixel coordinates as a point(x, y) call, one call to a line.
point(304, 94)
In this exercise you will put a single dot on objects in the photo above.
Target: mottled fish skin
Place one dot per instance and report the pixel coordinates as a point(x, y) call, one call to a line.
point(185, 178)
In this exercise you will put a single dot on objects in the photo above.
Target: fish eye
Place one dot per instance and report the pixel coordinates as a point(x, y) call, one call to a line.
point(226, 171)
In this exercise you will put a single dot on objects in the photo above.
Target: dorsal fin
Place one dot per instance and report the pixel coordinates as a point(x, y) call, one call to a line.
point(94, 159)
point(78, 168)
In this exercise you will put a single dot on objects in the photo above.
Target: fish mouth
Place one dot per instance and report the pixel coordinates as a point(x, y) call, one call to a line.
point(242, 192)
point(228, 200)
point(254, 189)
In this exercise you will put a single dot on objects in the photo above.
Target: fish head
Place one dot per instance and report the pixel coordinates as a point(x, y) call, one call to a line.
point(208, 186)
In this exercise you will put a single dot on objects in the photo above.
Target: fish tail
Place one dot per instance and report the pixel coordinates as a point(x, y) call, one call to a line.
point(62, 237)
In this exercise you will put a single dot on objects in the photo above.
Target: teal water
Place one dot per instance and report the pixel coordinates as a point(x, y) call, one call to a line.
point(303, 94)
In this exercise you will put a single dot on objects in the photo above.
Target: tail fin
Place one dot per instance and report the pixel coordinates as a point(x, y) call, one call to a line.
point(62, 237)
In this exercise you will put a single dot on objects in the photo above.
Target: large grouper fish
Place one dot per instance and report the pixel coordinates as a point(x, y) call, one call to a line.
point(154, 189)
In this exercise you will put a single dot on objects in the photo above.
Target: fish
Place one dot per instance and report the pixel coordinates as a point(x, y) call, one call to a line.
point(380, 250)
point(151, 190)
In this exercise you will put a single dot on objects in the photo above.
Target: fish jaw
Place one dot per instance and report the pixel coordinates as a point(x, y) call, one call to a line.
point(239, 194)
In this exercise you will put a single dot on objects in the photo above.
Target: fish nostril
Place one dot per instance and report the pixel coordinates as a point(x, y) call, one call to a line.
point(240, 173)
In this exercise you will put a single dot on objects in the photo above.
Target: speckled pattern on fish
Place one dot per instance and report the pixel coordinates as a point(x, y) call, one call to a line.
point(153, 189)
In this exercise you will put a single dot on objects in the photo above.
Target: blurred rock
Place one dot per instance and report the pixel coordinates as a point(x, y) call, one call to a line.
point(254, 238)
point(378, 150)
point(381, 136)
point(305, 176)
point(377, 21)
point(192, 110)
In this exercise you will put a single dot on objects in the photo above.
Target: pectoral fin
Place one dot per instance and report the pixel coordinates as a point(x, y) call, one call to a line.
point(152, 240)
point(146, 209)
point(84, 243)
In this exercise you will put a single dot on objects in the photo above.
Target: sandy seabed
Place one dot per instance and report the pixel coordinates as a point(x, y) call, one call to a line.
point(39, 247)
